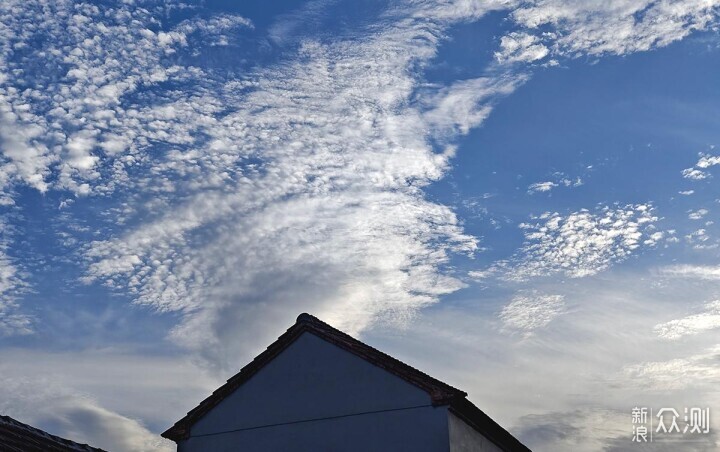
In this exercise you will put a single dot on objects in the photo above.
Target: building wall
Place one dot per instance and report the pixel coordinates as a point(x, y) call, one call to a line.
point(417, 431)
point(315, 396)
point(464, 438)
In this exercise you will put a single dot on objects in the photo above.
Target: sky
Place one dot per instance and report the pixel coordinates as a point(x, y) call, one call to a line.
point(517, 197)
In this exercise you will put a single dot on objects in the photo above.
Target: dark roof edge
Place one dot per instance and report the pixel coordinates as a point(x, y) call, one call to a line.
point(440, 393)
point(7, 423)
point(476, 418)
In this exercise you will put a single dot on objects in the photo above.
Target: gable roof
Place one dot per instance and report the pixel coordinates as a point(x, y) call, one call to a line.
point(18, 437)
point(440, 393)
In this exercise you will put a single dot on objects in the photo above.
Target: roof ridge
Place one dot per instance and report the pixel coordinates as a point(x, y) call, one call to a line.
point(452, 391)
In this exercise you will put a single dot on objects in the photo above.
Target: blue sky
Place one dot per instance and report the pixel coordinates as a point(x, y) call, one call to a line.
point(518, 197)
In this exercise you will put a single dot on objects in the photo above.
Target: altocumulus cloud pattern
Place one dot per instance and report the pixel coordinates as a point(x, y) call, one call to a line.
point(216, 170)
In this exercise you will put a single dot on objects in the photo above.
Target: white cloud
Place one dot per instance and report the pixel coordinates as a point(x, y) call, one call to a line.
point(700, 239)
point(301, 189)
point(697, 214)
point(312, 167)
point(704, 272)
point(521, 47)
point(560, 180)
point(112, 398)
point(604, 330)
point(479, 275)
point(43, 403)
point(583, 243)
point(455, 109)
point(706, 161)
point(570, 182)
point(595, 428)
point(25, 156)
point(541, 187)
point(574, 28)
point(693, 324)
point(12, 320)
point(530, 311)
point(694, 174)
point(57, 117)
point(680, 373)
point(79, 148)
point(294, 186)
point(305, 176)
point(297, 186)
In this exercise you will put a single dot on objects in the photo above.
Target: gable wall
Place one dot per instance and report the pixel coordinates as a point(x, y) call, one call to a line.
point(420, 430)
point(313, 394)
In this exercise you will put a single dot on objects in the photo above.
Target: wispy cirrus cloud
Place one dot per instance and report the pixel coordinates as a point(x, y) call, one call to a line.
point(71, 414)
point(707, 272)
point(699, 369)
point(112, 398)
point(297, 185)
point(568, 28)
point(692, 324)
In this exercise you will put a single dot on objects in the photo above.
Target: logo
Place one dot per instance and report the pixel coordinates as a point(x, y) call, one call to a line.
point(668, 424)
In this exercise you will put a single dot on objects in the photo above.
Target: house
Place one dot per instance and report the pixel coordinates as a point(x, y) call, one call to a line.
point(318, 389)
point(18, 437)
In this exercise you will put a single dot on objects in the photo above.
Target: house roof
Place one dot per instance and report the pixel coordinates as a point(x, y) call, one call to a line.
point(440, 393)
point(18, 437)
